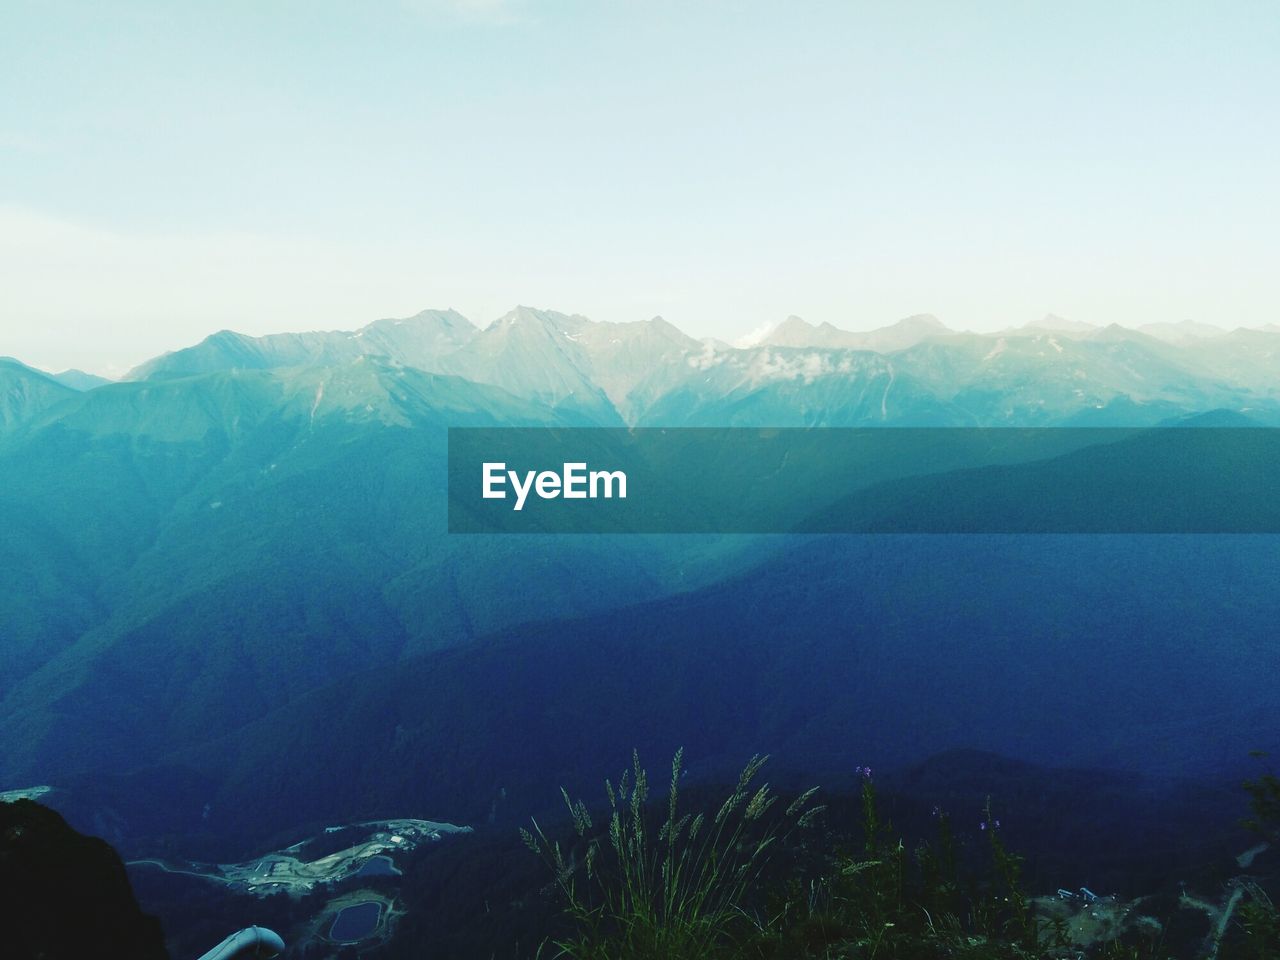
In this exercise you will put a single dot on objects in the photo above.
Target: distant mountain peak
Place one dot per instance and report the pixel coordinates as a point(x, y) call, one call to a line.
point(793, 332)
point(75, 379)
point(522, 314)
point(1181, 331)
point(227, 335)
point(449, 318)
point(533, 317)
point(925, 321)
point(792, 327)
point(661, 329)
point(79, 380)
point(1051, 321)
point(416, 341)
point(899, 335)
point(26, 391)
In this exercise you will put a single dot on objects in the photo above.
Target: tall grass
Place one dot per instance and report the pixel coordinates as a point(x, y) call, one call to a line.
point(681, 890)
point(659, 883)
point(1259, 917)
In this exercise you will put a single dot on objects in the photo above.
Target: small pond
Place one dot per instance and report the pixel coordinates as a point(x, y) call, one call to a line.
point(378, 866)
point(356, 922)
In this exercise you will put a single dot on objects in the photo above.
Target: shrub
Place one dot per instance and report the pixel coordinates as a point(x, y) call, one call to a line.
point(684, 890)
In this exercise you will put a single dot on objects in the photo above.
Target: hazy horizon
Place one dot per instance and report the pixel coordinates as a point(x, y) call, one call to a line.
point(174, 170)
point(746, 338)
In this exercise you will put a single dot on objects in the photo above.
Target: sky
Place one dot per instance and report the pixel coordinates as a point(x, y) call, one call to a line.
point(171, 169)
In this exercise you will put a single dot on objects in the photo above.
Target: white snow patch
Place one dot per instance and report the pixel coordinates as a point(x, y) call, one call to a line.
point(705, 360)
point(806, 367)
point(315, 404)
point(756, 336)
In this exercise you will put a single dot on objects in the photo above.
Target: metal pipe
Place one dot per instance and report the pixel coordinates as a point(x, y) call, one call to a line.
point(249, 942)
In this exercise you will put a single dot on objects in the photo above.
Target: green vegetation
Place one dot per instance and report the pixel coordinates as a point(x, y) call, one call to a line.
point(1258, 917)
point(682, 891)
point(750, 881)
point(701, 887)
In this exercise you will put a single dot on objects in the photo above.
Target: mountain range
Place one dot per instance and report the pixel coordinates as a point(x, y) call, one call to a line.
point(916, 371)
point(232, 605)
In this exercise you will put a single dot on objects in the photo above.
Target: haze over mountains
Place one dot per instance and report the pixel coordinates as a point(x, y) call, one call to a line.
point(229, 574)
point(649, 373)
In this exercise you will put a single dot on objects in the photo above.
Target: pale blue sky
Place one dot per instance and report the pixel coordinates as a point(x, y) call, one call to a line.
point(168, 169)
